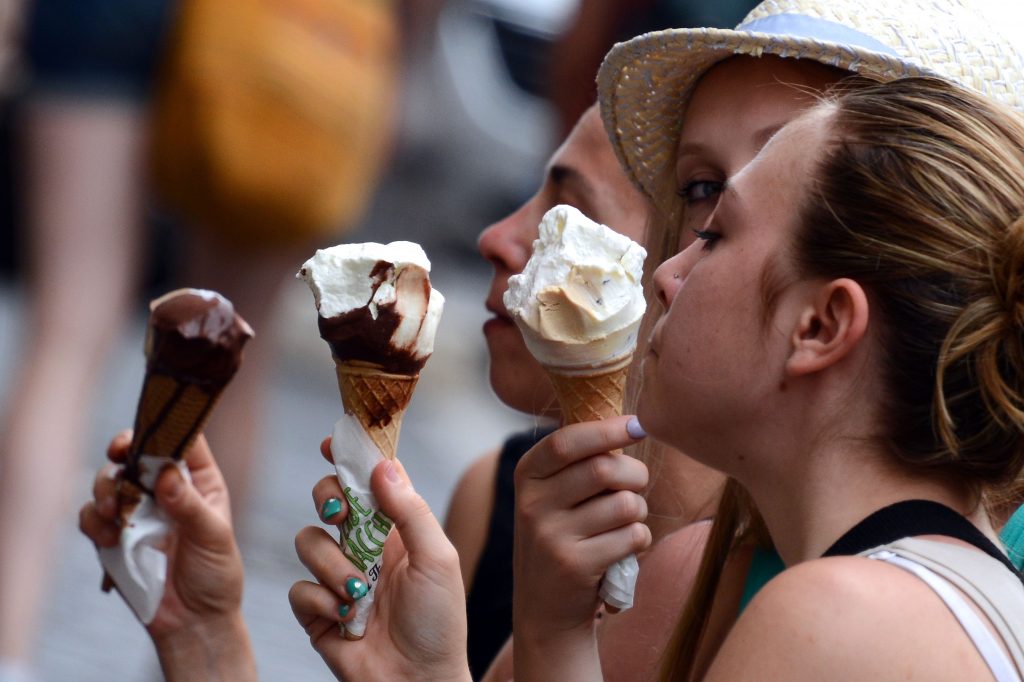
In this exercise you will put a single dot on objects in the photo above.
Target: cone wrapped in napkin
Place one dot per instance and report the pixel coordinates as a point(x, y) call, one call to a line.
point(379, 315)
point(193, 349)
point(578, 304)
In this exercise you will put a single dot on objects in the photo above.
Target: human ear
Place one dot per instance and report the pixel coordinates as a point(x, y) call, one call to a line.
point(828, 328)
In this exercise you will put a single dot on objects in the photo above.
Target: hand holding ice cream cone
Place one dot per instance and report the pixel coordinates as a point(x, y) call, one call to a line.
point(193, 349)
point(579, 303)
point(379, 314)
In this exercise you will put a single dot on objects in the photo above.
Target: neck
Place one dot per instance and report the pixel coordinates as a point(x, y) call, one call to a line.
point(681, 491)
point(826, 492)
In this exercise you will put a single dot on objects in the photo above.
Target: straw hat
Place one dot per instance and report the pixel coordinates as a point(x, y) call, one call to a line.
point(644, 83)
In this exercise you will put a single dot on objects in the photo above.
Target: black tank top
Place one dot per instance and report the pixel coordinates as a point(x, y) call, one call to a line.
point(489, 606)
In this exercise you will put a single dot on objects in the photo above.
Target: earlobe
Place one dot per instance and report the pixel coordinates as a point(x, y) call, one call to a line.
point(829, 328)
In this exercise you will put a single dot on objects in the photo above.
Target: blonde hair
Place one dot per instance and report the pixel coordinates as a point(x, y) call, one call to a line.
point(920, 198)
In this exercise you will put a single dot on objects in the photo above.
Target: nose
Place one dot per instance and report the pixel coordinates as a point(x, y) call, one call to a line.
point(670, 275)
point(506, 244)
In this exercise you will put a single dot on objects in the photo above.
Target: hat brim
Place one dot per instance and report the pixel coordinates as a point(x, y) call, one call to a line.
point(645, 83)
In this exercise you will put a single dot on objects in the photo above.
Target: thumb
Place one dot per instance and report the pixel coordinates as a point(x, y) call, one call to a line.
point(421, 533)
point(195, 518)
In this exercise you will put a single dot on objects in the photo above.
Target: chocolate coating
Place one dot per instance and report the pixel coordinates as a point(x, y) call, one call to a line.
point(196, 336)
point(358, 336)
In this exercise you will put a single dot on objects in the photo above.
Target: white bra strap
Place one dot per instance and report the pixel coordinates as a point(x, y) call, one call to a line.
point(1003, 669)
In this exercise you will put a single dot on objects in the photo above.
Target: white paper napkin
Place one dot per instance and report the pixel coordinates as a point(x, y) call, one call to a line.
point(137, 565)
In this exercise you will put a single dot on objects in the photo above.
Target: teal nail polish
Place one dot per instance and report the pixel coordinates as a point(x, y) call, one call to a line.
point(356, 588)
point(344, 609)
point(329, 508)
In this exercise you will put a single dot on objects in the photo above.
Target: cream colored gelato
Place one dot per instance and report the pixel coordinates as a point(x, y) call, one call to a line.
point(579, 300)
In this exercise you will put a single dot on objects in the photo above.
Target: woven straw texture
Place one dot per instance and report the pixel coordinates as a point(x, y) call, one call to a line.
point(644, 83)
point(378, 400)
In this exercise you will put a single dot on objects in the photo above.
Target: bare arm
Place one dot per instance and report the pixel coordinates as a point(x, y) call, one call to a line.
point(469, 513)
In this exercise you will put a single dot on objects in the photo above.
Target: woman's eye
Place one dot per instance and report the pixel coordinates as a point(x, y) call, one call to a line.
point(699, 190)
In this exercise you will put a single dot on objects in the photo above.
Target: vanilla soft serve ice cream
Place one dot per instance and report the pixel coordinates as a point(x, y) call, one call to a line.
point(579, 300)
point(376, 304)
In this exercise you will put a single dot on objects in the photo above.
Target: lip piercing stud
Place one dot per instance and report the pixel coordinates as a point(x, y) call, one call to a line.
point(675, 276)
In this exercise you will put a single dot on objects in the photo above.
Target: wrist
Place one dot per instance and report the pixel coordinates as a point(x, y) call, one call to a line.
point(550, 654)
point(217, 648)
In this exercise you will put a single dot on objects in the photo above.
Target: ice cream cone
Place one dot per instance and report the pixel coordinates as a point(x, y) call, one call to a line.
point(592, 394)
point(171, 413)
point(377, 399)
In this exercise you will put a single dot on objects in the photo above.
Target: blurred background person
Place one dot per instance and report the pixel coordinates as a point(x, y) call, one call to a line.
point(92, 63)
point(247, 149)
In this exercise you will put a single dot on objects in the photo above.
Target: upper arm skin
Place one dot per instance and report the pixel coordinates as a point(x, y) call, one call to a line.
point(847, 618)
point(469, 513)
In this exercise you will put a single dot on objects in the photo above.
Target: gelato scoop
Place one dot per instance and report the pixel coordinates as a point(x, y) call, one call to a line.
point(375, 302)
point(579, 300)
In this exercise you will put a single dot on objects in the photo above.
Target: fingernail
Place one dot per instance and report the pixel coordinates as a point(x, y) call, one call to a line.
point(634, 429)
point(391, 473)
point(356, 588)
point(344, 610)
point(329, 508)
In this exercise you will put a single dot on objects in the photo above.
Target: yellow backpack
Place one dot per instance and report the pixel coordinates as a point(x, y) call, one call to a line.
point(273, 118)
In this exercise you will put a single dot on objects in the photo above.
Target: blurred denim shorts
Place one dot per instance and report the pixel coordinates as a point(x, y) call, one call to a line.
point(96, 47)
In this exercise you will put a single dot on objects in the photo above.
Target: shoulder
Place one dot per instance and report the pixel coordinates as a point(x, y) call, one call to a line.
point(846, 618)
point(469, 512)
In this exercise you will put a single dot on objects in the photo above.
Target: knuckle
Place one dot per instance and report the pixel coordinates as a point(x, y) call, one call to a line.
point(447, 555)
point(629, 506)
point(601, 470)
point(84, 517)
point(640, 471)
point(640, 536)
point(561, 447)
point(304, 537)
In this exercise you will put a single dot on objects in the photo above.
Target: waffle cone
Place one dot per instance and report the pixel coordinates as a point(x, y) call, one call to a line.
point(170, 414)
point(377, 399)
point(592, 394)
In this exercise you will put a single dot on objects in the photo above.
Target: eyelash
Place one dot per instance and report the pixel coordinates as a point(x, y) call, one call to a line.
point(688, 191)
point(709, 238)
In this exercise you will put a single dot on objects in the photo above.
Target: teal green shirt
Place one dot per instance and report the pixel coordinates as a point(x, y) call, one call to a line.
point(1013, 537)
point(766, 564)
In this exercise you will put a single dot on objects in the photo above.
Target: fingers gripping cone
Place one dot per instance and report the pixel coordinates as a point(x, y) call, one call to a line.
point(377, 399)
point(579, 302)
point(170, 414)
point(592, 395)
